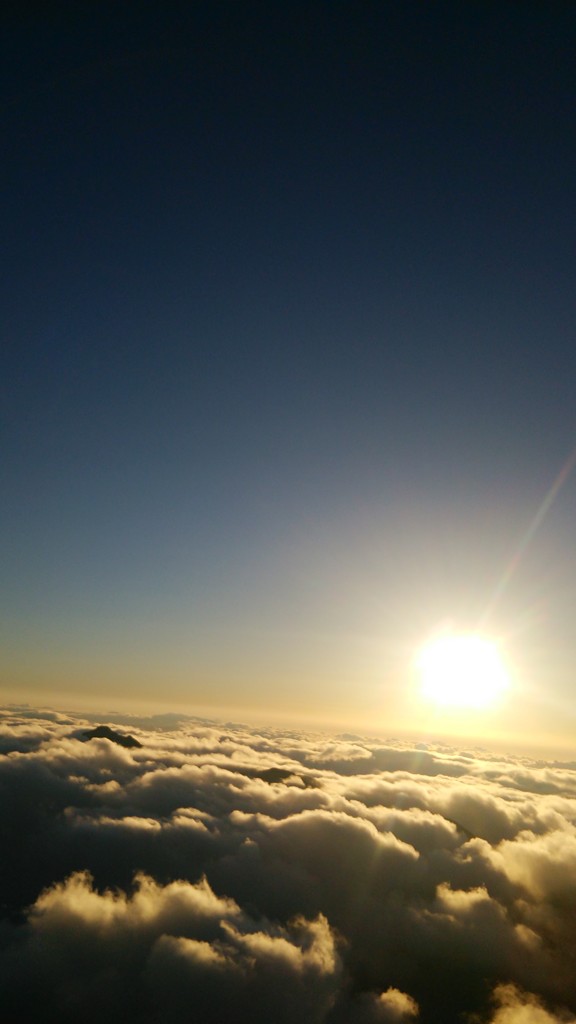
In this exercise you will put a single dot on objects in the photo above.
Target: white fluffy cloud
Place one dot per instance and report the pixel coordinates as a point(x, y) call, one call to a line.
point(516, 1007)
point(221, 873)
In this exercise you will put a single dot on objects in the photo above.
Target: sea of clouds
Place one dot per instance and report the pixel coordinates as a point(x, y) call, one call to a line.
point(221, 874)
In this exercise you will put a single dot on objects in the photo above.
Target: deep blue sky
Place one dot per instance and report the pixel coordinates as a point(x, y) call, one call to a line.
point(288, 341)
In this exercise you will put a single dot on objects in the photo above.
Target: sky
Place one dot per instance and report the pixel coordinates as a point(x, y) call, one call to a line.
point(288, 356)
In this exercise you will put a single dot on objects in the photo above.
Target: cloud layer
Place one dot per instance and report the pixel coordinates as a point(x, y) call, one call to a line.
point(217, 873)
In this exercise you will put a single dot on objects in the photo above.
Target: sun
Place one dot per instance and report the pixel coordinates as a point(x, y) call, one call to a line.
point(462, 671)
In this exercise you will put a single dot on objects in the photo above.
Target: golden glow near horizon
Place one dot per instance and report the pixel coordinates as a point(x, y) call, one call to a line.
point(462, 671)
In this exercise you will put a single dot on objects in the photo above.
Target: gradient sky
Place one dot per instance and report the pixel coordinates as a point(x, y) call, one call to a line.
point(288, 353)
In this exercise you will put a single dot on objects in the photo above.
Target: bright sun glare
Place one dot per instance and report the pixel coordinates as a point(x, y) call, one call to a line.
point(462, 671)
